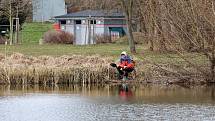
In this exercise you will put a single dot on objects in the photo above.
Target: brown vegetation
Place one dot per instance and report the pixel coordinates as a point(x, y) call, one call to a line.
point(21, 69)
point(139, 38)
point(183, 26)
point(58, 37)
point(77, 5)
point(102, 39)
point(173, 74)
point(2, 40)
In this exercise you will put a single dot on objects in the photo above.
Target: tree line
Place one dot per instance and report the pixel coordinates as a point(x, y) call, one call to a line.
point(19, 8)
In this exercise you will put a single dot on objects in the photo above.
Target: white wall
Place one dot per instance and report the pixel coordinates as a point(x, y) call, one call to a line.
point(44, 10)
point(81, 31)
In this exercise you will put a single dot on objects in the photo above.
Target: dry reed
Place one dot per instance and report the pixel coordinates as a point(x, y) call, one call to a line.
point(21, 69)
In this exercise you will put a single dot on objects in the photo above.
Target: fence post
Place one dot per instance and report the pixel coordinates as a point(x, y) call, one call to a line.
point(11, 24)
point(17, 31)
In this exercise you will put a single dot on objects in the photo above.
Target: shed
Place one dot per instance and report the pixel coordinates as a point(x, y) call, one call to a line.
point(88, 24)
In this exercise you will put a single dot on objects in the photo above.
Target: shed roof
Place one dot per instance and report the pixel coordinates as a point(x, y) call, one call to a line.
point(93, 13)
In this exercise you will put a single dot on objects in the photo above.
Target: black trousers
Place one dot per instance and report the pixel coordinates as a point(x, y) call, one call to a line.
point(124, 72)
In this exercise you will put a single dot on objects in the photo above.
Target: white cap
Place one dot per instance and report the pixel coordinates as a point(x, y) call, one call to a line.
point(123, 53)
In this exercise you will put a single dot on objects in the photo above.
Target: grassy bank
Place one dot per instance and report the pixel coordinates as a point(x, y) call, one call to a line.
point(31, 33)
point(106, 50)
point(68, 63)
point(49, 64)
point(59, 50)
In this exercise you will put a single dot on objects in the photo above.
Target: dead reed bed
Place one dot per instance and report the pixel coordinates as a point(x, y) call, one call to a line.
point(20, 69)
point(168, 73)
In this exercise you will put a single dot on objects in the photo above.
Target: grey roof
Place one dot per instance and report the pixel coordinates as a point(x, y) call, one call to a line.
point(93, 13)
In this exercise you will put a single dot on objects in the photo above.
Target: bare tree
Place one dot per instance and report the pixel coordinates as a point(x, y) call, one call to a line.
point(75, 5)
point(181, 26)
point(22, 7)
point(127, 6)
point(10, 9)
point(192, 29)
point(147, 18)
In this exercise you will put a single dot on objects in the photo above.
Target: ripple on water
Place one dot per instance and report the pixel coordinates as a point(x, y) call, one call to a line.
point(77, 108)
point(61, 107)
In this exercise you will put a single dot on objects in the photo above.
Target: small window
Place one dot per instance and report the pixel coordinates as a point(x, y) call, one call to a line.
point(78, 22)
point(93, 22)
point(63, 22)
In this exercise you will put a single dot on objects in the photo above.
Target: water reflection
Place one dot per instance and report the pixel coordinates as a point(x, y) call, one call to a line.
point(106, 102)
point(125, 92)
point(213, 93)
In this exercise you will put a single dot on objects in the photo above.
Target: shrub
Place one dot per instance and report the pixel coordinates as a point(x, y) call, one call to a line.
point(139, 38)
point(60, 37)
point(101, 38)
point(2, 40)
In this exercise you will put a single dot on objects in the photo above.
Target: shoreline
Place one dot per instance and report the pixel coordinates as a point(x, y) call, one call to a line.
point(78, 69)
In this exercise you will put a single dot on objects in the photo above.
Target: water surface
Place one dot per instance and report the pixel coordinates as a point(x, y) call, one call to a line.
point(107, 102)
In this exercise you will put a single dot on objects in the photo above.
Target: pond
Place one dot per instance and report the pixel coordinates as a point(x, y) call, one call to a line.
point(106, 103)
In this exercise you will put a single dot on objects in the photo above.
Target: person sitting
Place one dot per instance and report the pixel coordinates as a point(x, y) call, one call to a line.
point(125, 66)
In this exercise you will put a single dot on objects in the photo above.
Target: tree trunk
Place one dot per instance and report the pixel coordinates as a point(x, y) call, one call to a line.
point(152, 35)
point(127, 6)
point(11, 24)
point(131, 37)
point(163, 26)
point(213, 63)
point(212, 71)
point(151, 45)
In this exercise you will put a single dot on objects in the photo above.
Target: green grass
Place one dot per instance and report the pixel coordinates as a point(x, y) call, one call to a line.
point(33, 32)
point(59, 50)
point(104, 50)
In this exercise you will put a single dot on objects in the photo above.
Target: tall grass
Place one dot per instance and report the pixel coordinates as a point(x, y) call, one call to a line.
point(21, 69)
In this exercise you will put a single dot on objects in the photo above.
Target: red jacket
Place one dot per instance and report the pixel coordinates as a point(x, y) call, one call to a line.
point(126, 61)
